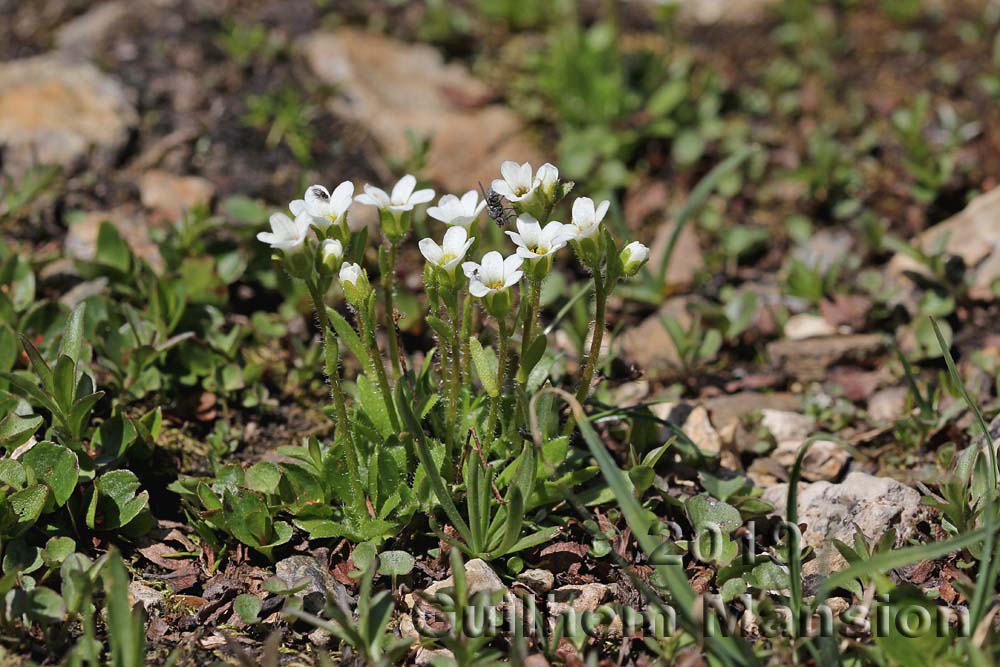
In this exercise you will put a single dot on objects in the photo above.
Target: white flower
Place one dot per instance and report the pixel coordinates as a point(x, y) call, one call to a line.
point(286, 235)
point(633, 256)
point(635, 252)
point(403, 198)
point(494, 275)
point(454, 211)
point(332, 252)
point(587, 219)
point(327, 208)
point(534, 242)
point(350, 273)
point(546, 177)
point(516, 183)
point(451, 251)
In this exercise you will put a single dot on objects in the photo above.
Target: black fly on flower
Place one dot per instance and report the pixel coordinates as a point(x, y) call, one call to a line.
point(495, 208)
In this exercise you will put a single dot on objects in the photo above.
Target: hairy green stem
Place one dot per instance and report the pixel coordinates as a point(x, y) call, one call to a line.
point(375, 359)
point(389, 287)
point(600, 305)
point(455, 375)
point(467, 313)
point(494, 414)
point(530, 316)
point(331, 355)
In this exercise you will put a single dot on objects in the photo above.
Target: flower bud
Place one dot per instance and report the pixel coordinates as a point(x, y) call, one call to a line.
point(331, 254)
point(355, 283)
point(633, 256)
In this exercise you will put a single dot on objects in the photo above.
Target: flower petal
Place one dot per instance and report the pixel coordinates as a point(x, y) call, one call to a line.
point(478, 289)
point(403, 189)
point(430, 250)
point(512, 264)
point(492, 267)
point(469, 268)
point(602, 209)
point(509, 170)
point(421, 197)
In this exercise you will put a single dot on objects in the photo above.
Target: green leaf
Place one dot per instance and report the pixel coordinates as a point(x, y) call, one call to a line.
point(263, 476)
point(704, 510)
point(768, 576)
point(348, 336)
point(533, 354)
point(15, 430)
point(423, 453)
point(395, 563)
point(114, 502)
point(45, 606)
point(55, 466)
point(112, 251)
point(56, 550)
point(126, 628)
point(364, 556)
point(72, 340)
point(27, 505)
point(486, 367)
point(248, 607)
point(369, 398)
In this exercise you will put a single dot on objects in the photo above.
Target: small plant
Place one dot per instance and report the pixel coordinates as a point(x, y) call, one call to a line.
point(421, 438)
point(287, 119)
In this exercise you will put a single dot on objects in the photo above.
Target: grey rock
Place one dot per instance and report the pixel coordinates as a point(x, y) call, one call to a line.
point(831, 511)
point(973, 234)
point(808, 360)
point(84, 35)
point(540, 581)
point(55, 111)
point(295, 568)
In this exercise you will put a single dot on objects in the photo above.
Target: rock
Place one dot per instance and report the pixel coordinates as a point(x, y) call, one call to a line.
point(807, 360)
point(784, 425)
point(83, 36)
point(648, 345)
point(973, 234)
point(81, 238)
point(83, 291)
point(830, 511)
point(54, 111)
point(172, 195)
point(727, 411)
point(427, 656)
point(805, 325)
point(390, 87)
point(140, 593)
point(731, 12)
point(295, 568)
point(685, 261)
point(581, 598)
point(824, 460)
point(540, 581)
point(887, 404)
point(825, 249)
point(479, 578)
point(695, 423)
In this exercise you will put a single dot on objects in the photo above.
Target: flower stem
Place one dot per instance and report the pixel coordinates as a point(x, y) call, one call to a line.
point(389, 287)
point(456, 347)
point(331, 354)
point(375, 359)
point(491, 422)
point(467, 314)
point(530, 316)
point(600, 304)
